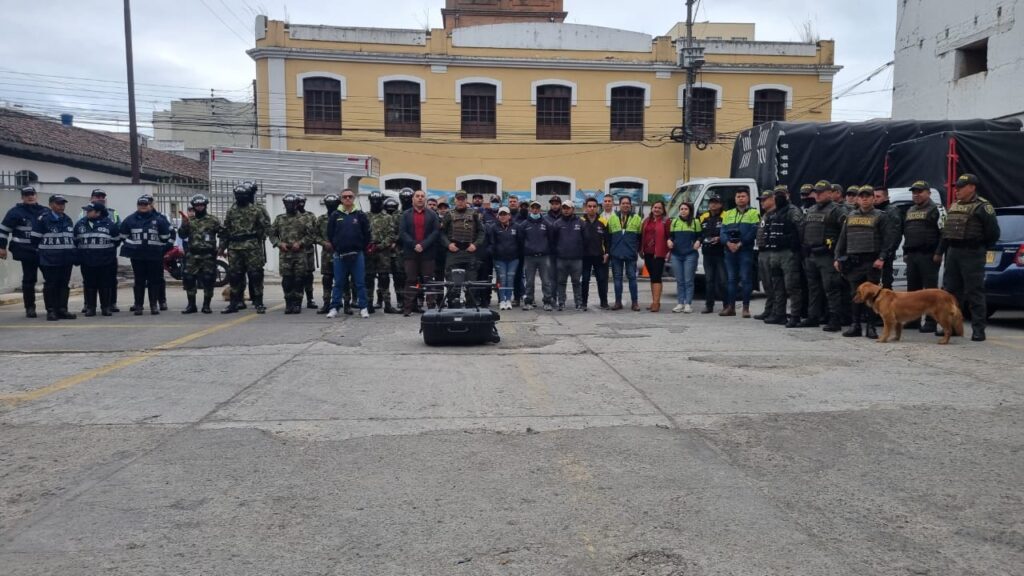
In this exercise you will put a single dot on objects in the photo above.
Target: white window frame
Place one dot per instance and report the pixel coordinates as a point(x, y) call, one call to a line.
point(539, 179)
point(719, 93)
point(497, 181)
point(627, 83)
point(641, 181)
point(787, 89)
point(299, 91)
point(555, 82)
point(398, 78)
point(477, 80)
point(401, 175)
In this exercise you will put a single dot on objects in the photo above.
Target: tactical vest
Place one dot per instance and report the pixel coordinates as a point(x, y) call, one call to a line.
point(920, 228)
point(761, 232)
point(961, 226)
point(819, 226)
point(463, 226)
point(781, 232)
point(861, 233)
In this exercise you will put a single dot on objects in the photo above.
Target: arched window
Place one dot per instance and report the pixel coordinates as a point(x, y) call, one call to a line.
point(322, 104)
point(703, 113)
point(627, 113)
point(545, 187)
point(554, 112)
point(402, 108)
point(769, 106)
point(397, 184)
point(486, 187)
point(72, 180)
point(25, 177)
point(634, 189)
point(479, 116)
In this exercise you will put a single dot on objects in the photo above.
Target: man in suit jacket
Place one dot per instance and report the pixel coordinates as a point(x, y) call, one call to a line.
point(420, 230)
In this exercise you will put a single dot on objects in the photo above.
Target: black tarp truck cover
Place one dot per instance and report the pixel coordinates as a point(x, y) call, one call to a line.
point(795, 153)
point(996, 158)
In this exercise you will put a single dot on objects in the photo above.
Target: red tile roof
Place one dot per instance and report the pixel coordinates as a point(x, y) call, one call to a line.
point(37, 137)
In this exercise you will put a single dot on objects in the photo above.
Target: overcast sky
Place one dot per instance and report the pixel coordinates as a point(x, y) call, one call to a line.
point(68, 55)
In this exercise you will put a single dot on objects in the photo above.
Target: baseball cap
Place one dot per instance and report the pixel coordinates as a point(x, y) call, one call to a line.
point(496, 199)
point(764, 194)
point(920, 185)
point(442, 203)
point(478, 195)
point(806, 189)
point(28, 191)
point(567, 203)
point(534, 203)
point(554, 199)
point(98, 193)
point(58, 199)
point(714, 198)
point(144, 199)
point(852, 190)
point(966, 179)
point(504, 210)
point(781, 188)
point(866, 191)
point(91, 206)
point(822, 185)
point(460, 194)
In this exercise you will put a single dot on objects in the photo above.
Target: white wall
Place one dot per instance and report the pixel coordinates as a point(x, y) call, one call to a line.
point(925, 85)
point(52, 172)
point(10, 270)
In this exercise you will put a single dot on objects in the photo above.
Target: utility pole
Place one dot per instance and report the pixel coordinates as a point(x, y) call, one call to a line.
point(691, 76)
point(133, 127)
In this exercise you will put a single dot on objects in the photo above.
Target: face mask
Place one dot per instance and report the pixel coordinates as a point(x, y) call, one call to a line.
point(534, 216)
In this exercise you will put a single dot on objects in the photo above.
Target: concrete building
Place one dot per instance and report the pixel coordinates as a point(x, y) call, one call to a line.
point(739, 31)
point(194, 125)
point(525, 107)
point(958, 60)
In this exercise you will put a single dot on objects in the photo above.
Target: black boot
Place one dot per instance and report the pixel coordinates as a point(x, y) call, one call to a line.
point(191, 308)
point(389, 309)
point(928, 326)
point(793, 322)
point(63, 314)
point(779, 320)
point(30, 311)
point(978, 335)
point(106, 312)
point(62, 310)
point(871, 332)
point(833, 324)
point(52, 316)
point(207, 297)
point(853, 331)
point(28, 296)
point(89, 312)
point(257, 304)
point(810, 323)
point(232, 308)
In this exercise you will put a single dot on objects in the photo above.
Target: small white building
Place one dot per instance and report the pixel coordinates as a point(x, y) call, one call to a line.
point(958, 60)
point(193, 125)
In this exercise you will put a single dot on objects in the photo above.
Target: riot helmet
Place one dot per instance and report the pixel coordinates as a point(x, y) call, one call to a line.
point(291, 203)
point(405, 197)
point(376, 202)
point(390, 205)
point(331, 202)
point(300, 201)
point(199, 200)
point(245, 194)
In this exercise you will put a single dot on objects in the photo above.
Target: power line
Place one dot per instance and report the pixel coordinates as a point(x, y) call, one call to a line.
point(230, 29)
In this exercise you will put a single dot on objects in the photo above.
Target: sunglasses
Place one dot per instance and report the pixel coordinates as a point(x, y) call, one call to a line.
point(347, 196)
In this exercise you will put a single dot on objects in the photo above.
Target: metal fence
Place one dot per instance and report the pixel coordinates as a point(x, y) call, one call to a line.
point(174, 196)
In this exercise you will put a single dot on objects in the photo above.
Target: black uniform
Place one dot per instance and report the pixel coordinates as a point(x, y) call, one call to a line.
point(865, 238)
point(822, 226)
point(18, 224)
point(895, 219)
point(921, 233)
point(54, 236)
point(970, 228)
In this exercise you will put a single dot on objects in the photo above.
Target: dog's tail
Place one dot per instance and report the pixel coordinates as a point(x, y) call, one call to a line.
point(956, 316)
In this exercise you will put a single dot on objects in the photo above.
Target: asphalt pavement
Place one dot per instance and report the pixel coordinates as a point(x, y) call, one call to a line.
point(617, 443)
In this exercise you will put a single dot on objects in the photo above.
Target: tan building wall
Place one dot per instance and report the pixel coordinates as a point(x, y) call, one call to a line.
point(715, 30)
point(461, 13)
point(593, 59)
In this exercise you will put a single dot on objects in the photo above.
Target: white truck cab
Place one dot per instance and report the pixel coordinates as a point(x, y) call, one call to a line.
point(698, 192)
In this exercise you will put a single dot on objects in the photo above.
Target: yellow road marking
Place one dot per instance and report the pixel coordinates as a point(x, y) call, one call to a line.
point(999, 342)
point(70, 381)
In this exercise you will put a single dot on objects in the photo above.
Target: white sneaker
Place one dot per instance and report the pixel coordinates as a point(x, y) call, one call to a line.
point(679, 308)
point(687, 309)
point(333, 313)
point(364, 313)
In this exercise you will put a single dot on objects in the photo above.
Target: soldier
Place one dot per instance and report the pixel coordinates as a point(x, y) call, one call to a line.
point(292, 235)
point(782, 247)
point(764, 272)
point(822, 224)
point(405, 198)
point(971, 227)
point(380, 223)
point(53, 235)
point(462, 232)
point(245, 233)
point(896, 219)
point(393, 265)
point(17, 224)
point(868, 238)
point(307, 282)
point(200, 232)
point(331, 203)
point(922, 231)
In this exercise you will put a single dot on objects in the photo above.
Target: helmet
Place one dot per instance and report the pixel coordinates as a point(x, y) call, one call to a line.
point(198, 199)
point(376, 202)
point(300, 199)
point(390, 205)
point(291, 203)
point(245, 193)
point(405, 197)
point(332, 201)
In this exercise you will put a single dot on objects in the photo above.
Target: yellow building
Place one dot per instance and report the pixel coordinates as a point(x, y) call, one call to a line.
point(525, 105)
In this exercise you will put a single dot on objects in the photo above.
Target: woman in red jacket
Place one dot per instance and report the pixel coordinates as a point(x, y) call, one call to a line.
point(654, 238)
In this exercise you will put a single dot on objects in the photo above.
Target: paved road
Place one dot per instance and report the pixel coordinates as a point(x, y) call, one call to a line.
point(599, 443)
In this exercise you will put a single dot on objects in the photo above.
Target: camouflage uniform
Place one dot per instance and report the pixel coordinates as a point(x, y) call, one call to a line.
point(385, 235)
point(290, 229)
point(245, 232)
point(326, 256)
point(201, 234)
point(307, 281)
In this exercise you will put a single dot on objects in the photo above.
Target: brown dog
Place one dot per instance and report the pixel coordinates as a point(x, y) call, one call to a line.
point(895, 308)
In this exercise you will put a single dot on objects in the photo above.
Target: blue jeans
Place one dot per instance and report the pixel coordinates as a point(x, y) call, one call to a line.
point(629, 267)
point(356, 268)
point(505, 270)
point(685, 269)
point(739, 266)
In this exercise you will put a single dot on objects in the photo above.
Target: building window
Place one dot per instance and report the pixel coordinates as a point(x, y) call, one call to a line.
point(479, 119)
point(552, 188)
point(627, 113)
point(322, 102)
point(634, 190)
point(402, 109)
point(703, 101)
point(554, 115)
point(72, 180)
point(972, 59)
point(769, 106)
point(486, 187)
point(25, 177)
point(396, 184)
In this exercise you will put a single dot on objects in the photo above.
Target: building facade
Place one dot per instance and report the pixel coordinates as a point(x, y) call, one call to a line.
point(531, 108)
point(958, 60)
point(193, 125)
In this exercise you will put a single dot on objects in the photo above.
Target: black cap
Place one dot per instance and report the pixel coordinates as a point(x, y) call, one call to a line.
point(714, 198)
point(966, 179)
point(28, 191)
point(91, 206)
point(442, 203)
point(555, 198)
point(58, 199)
point(920, 185)
point(144, 199)
point(98, 193)
point(478, 195)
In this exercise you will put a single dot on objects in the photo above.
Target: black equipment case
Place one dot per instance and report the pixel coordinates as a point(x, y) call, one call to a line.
point(459, 326)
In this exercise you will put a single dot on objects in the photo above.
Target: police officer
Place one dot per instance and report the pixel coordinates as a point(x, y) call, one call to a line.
point(390, 265)
point(822, 224)
point(922, 230)
point(53, 234)
point(331, 203)
point(896, 219)
point(782, 247)
point(971, 227)
point(868, 238)
point(246, 226)
point(381, 226)
point(292, 235)
point(96, 238)
point(147, 236)
point(806, 196)
point(200, 233)
point(307, 281)
point(767, 203)
point(17, 226)
point(99, 197)
point(462, 232)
